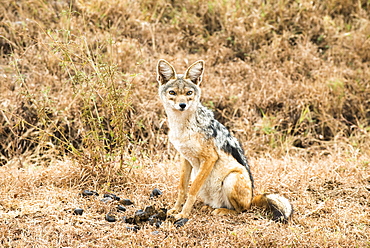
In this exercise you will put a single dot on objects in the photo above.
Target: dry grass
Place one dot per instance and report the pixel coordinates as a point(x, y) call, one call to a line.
point(330, 198)
point(79, 110)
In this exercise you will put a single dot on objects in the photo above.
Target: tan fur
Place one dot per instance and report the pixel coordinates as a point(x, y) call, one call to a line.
point(222, 180)
point(207, 157)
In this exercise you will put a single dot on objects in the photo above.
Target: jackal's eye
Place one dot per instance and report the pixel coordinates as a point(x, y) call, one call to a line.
point(171, 92)
point(189, 93)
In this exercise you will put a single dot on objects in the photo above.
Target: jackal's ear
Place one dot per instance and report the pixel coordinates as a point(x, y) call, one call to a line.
point(195, 72)
point(165, 71)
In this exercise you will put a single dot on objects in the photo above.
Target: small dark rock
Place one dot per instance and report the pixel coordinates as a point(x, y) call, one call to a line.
point(113, 196)
point(106, 199)
point(180, 222)
point(110, 218)
point(126, 202)
point(155, 193)
point(78, 211)
point(89, 193)
point(133, 228)
point(121, 208)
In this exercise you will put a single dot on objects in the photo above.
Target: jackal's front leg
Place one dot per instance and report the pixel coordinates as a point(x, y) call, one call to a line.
point(183, 186)
point(206, 165)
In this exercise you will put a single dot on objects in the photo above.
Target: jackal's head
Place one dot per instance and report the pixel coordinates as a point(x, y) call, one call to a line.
point(179, 91)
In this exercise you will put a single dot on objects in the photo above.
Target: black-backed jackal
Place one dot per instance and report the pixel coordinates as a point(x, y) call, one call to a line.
point(222, 175)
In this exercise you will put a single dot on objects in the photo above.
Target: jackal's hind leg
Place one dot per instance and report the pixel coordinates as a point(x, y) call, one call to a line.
point(238, 188)
point(217, 211)
point(223, 211)
point(207, 208)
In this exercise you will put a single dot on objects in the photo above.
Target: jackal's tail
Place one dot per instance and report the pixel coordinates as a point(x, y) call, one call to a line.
point(278, 206)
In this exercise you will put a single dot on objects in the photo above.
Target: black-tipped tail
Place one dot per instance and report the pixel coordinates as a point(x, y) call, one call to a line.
point(279, 207)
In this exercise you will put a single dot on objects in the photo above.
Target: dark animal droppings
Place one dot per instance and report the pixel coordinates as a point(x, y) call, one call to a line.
point(162, 215)
point(126, 202)
point(141, 215)
point(89, 193)
point(106, 199)
point(133, 228)
point(155, 193)
point(150, 210)
point(158, 224)
point(181, 222)
point(130, 220)
point(113, 196)
point(121, 208)
point(110, 218)
point(78, 211)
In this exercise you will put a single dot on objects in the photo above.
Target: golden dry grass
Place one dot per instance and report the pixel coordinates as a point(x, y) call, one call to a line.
point(330, 198)
point(79, 110)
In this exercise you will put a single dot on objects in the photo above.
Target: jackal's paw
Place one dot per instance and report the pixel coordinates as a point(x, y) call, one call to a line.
point(223, 211)
point(181, 216)
point(206, 208)
point(172, 211)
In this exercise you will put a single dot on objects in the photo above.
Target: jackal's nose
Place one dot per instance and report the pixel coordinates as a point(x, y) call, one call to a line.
point(182, 105)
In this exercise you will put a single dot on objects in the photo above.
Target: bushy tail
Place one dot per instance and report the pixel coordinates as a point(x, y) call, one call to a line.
point(277, 205)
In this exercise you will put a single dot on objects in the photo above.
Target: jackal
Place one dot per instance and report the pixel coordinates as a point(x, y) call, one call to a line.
point(223, 179)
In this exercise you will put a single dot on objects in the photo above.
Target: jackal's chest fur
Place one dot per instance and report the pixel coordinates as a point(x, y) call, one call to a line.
point(187, 141)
